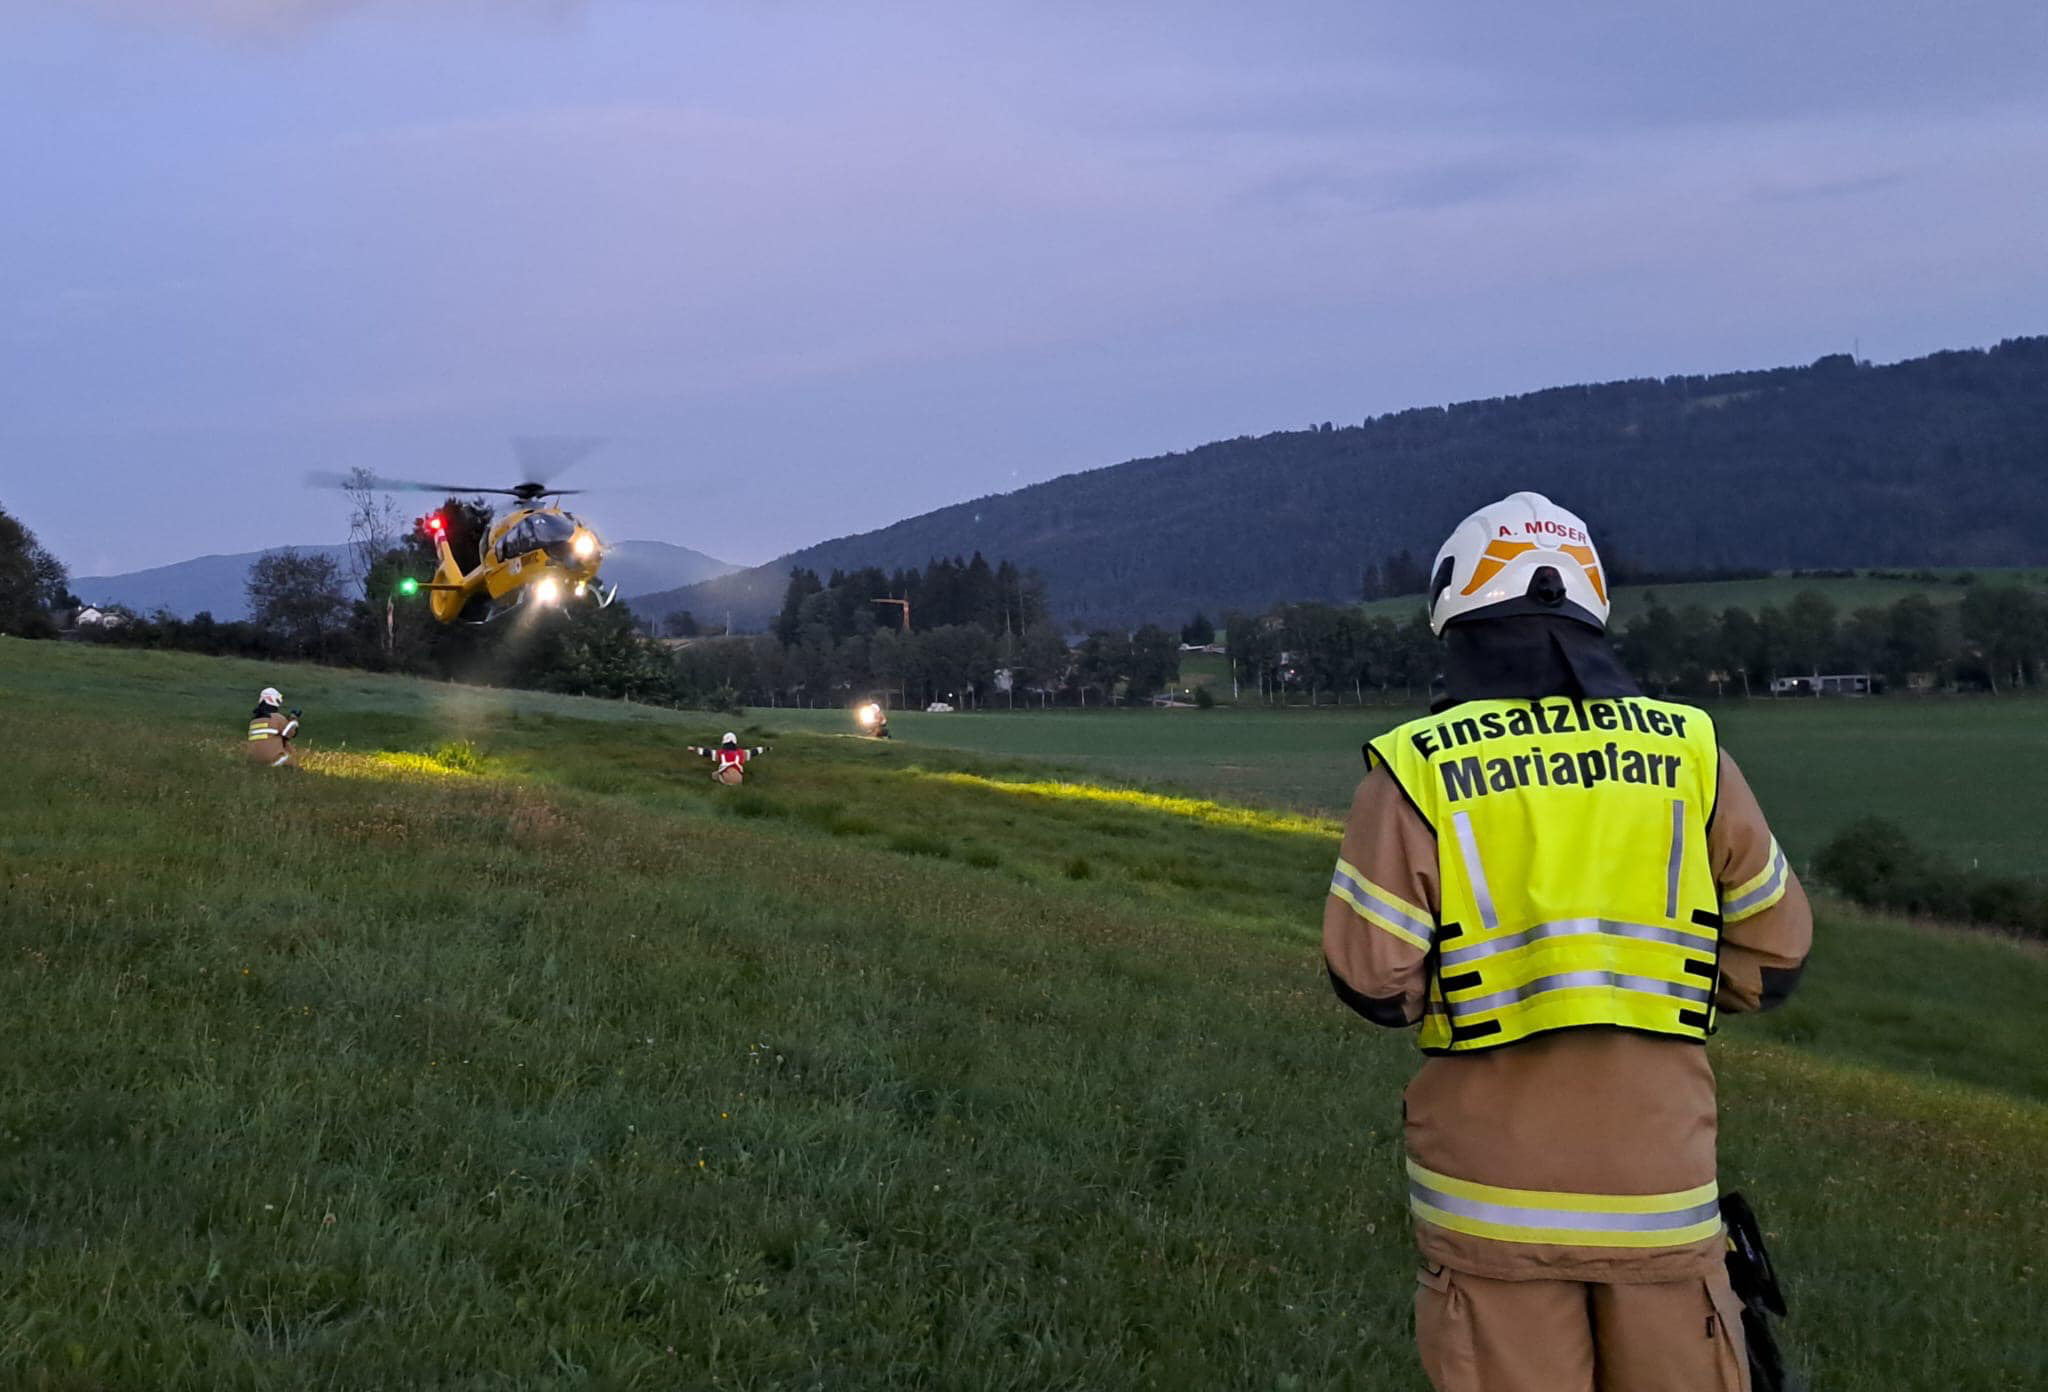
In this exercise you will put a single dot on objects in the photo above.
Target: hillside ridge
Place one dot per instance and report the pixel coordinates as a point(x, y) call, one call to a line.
point(1928, 461)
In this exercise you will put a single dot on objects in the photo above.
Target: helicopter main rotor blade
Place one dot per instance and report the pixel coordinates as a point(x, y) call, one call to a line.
point(541, 457)
point(327, 478)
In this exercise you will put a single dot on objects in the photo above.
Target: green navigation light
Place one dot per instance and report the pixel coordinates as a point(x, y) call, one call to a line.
point(408, 586)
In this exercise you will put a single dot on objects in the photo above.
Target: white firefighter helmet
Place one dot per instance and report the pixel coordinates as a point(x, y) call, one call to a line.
point(1521, 555)
point(270, 696)
point(730, 738)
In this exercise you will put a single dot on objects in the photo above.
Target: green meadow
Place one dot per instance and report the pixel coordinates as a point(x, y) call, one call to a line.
point(497, 1048)
point(1965, 774)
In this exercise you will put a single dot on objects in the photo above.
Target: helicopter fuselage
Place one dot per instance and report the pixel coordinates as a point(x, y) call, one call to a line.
point(543, 551)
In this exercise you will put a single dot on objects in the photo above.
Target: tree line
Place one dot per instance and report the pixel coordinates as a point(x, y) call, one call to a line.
point(962, 632)
point(1995, 639)
point(974, 634)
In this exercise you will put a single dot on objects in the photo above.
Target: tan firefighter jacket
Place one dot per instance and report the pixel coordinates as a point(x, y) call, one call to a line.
point(270, 737)
point(1584, 1154)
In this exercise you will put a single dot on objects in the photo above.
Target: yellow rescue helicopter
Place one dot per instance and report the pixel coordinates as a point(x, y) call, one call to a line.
point(538, 551)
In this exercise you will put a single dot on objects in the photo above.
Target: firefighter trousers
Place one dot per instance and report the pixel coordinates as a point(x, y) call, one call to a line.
point(1483, 1335)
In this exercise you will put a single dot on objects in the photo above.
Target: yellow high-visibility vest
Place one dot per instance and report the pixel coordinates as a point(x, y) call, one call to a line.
point(1572, 866)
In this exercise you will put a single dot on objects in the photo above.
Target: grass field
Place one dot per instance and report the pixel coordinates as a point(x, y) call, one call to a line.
point(533, 1060)
point(1964, 774)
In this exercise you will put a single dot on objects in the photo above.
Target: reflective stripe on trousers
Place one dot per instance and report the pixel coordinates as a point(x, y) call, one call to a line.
point(1564, 1219)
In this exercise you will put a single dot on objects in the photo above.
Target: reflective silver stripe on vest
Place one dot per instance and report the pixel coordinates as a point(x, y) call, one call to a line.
point(1510, 1215)
point(1379, 904)
point(1475, 872)
point(1576, 927)
point(1677, 857)
point(1566, 981)
point(1735, 908)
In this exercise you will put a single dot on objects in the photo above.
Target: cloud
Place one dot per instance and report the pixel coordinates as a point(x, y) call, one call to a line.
point(1842, 186)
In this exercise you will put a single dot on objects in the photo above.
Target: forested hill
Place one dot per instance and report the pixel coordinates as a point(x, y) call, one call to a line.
point(1941, 460)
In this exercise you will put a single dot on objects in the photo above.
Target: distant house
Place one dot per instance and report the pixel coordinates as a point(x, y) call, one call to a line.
point(1840, 684)
point(93, 617)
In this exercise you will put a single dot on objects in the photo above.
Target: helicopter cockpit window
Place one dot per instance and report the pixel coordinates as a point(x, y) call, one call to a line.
point(534, 533)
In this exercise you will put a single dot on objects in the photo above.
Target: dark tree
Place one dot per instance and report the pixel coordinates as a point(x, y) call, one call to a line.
point(299, 598)
point(2009, 626)
point(1402, 574)
point(32, 582)
point(1151, 662)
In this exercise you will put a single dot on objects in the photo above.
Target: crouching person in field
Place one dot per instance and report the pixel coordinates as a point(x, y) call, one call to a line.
point(729, 759)
point(271, 730)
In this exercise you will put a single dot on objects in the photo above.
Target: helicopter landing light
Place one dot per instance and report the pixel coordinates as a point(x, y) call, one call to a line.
point(547, 591)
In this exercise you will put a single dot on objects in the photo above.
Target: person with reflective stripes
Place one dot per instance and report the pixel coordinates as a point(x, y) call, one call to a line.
point(271, 731)
point(728, 758)
point(1564, 883)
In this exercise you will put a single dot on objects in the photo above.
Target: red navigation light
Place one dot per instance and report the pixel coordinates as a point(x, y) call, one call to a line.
point(436, 524)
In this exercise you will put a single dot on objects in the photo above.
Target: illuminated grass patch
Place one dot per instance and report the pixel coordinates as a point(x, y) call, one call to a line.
point(1193, 809)
point(384, 763)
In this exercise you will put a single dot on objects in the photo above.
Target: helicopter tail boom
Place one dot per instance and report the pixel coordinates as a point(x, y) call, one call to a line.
point(449, 588)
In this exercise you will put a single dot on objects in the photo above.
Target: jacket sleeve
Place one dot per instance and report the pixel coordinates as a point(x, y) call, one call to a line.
point(1766, 921)
point(1380, 916)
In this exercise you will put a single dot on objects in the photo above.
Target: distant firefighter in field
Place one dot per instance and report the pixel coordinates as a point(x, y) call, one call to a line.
point(729, 759)
point(272, 730)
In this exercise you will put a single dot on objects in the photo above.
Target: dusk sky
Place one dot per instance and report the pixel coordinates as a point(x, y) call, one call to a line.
point(811, 268)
